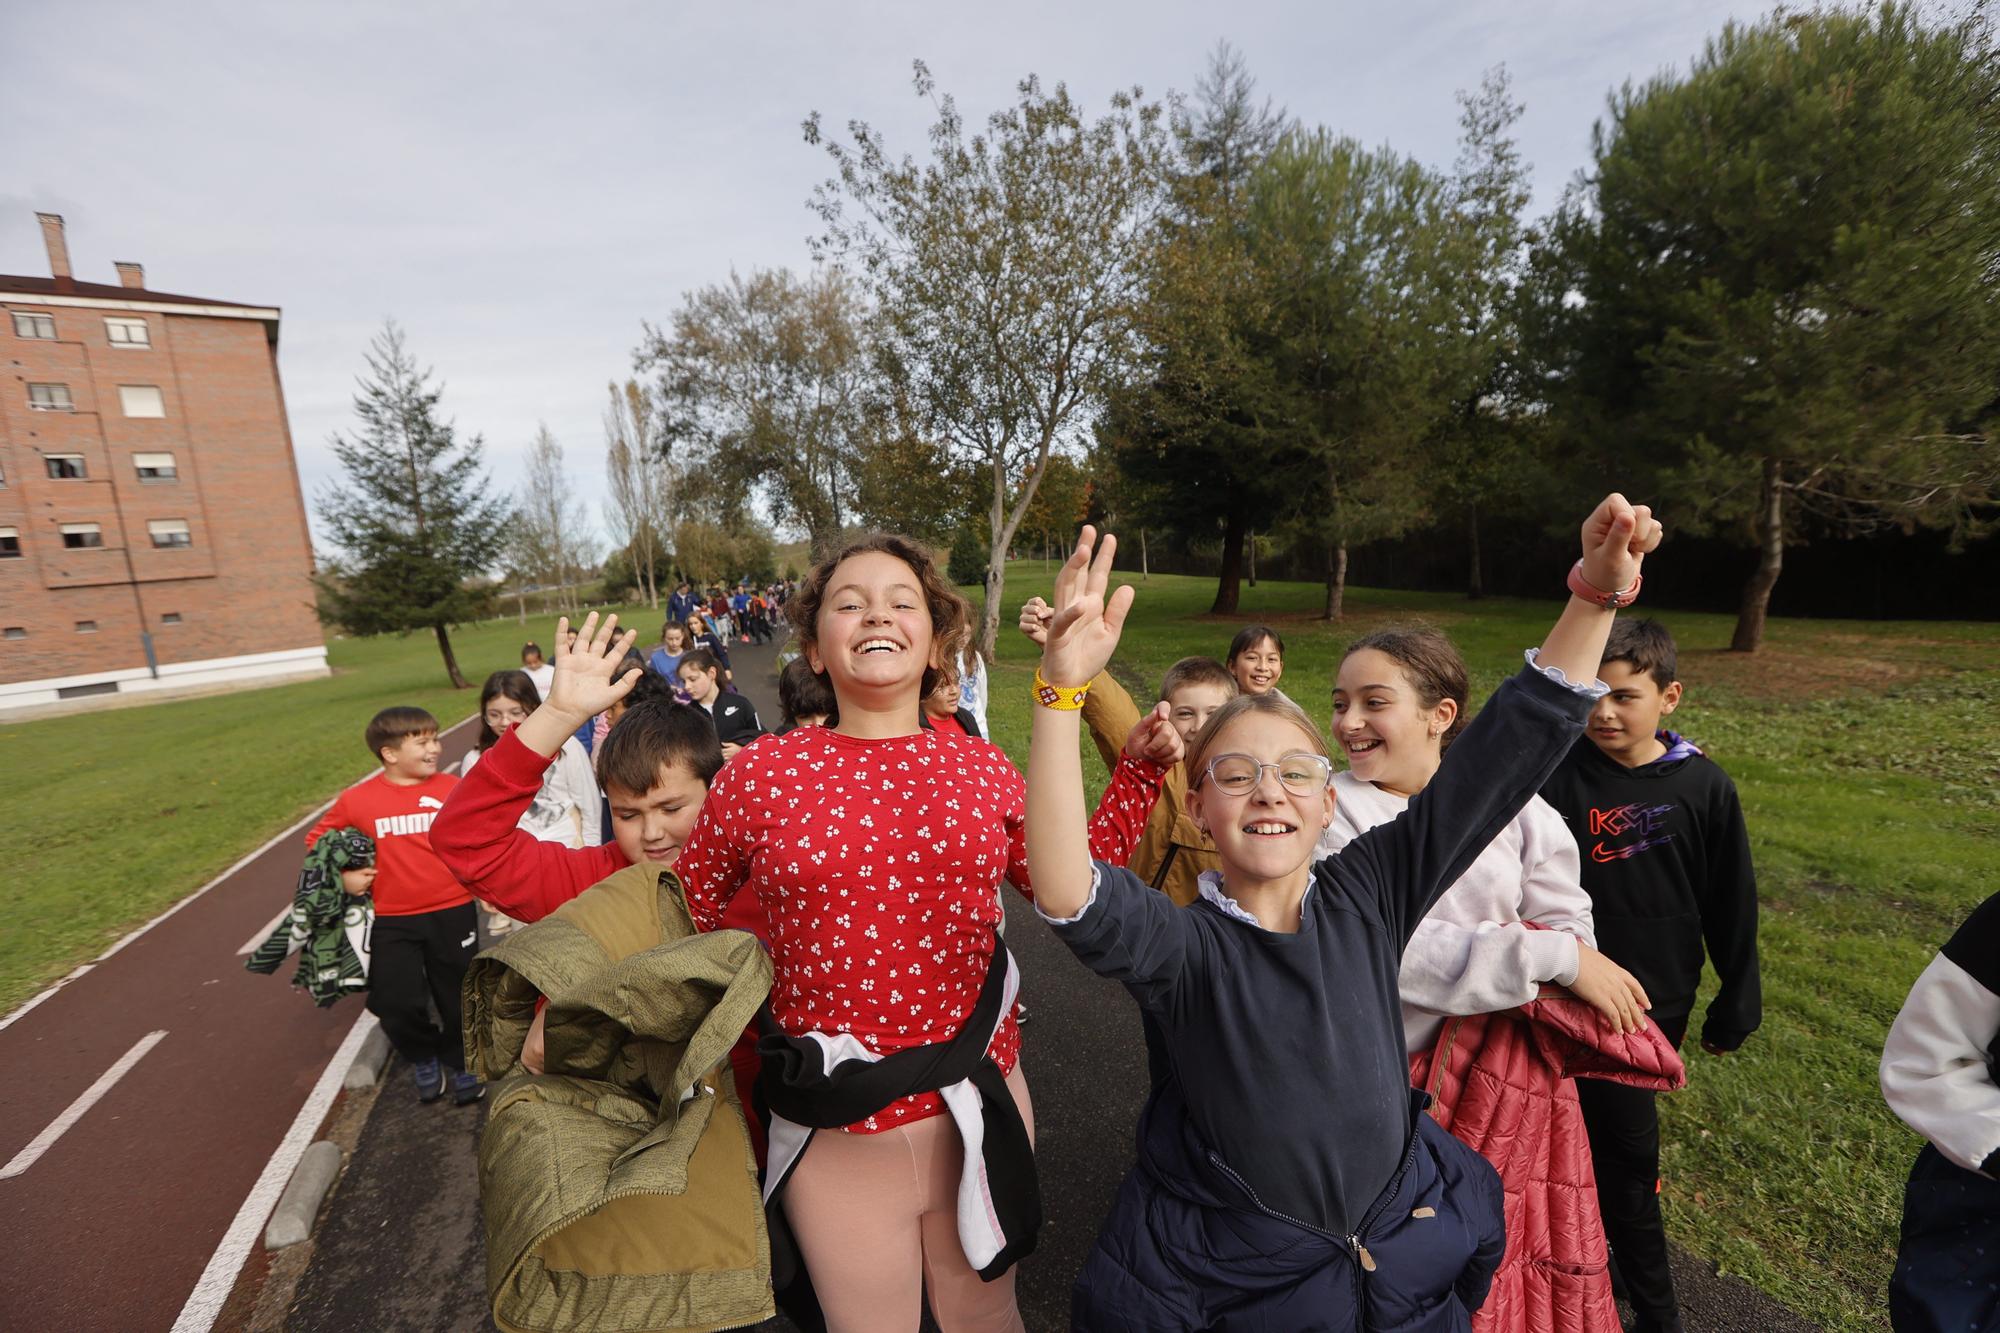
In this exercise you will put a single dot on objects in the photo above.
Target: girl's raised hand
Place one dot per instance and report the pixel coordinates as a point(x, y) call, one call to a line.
point(1616, 537)
point(584, 686)
point(1087, 624)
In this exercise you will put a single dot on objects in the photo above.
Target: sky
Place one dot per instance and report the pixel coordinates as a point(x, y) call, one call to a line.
point(521, 186)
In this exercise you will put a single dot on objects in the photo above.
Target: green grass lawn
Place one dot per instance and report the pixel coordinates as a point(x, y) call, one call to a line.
point(1865, 752)
point(1868, 758)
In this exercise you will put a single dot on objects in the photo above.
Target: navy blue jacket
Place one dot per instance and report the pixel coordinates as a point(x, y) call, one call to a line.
point(1289, 1080)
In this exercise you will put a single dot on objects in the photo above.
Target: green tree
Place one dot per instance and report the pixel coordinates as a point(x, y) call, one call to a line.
point(906, 481)
point(1483, 451)
point(1192, 437)
point(763, 384)
point(1777, 283)
point(415, 525)
point(1005, 277)
point(1368, 280)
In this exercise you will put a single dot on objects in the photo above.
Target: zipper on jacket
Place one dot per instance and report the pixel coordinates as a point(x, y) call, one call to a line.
point(1215, 1160)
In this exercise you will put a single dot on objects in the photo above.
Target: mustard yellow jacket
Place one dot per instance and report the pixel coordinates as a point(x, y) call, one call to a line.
point(619, 1187)
point(1173, 851)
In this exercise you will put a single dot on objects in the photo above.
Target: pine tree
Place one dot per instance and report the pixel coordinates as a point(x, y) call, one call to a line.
point(413, 519)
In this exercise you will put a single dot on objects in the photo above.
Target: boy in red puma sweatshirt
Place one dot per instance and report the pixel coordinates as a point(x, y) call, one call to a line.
point(425, 925)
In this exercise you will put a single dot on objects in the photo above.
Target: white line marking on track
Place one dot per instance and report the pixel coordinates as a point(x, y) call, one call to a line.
point(22, 1012)
point(218, 1279)
point(264, 931)
point(76, 1110)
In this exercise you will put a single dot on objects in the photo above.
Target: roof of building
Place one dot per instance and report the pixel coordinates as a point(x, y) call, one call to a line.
point(13, 284)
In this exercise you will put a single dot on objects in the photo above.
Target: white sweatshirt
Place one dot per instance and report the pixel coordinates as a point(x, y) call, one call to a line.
point(1938, 1063)
point(569, 808)
point(1472, 955)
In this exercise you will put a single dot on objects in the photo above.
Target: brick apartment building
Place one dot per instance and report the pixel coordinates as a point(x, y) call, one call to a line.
point(152, 530)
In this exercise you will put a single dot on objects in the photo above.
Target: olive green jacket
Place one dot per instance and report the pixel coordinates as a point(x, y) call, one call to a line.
point(619, 1187)
point(1173, 851)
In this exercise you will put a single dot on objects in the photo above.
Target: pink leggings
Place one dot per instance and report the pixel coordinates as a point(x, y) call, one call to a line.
point(876, 1216)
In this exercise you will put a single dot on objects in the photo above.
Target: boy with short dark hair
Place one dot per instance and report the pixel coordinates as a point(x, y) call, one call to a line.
point(1666, 862)
point(425, 925)
point(655, 766)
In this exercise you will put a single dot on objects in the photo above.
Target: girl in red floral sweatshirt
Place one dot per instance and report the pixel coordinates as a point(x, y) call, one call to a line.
point(874, 847)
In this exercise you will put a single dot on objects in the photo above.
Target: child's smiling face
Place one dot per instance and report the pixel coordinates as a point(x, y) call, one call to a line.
point(1258, 667)
point(1191, 705)
point(873, 631)
point(1268, 833)
point(1386, 734)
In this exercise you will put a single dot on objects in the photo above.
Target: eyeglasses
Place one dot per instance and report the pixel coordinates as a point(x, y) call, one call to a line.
point(1301, 774)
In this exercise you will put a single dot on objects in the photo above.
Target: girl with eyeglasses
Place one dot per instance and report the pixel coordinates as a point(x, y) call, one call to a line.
point(1287, 1176)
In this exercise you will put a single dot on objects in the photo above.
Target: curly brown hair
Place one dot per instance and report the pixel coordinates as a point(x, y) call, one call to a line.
point(951, 614)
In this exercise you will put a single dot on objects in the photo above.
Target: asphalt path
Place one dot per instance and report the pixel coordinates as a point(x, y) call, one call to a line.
point(400, 1244)
point(144, 1097)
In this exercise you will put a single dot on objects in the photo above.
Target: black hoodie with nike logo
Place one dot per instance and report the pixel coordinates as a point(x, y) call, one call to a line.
point(1666, 862)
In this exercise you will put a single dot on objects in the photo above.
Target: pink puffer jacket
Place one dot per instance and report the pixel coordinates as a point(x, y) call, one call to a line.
point(1501, 1084)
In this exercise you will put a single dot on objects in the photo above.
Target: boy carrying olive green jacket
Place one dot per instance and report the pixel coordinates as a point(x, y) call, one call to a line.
point(619, 1188)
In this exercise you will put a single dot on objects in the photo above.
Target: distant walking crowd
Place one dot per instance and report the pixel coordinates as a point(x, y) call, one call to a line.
point(1408, 998)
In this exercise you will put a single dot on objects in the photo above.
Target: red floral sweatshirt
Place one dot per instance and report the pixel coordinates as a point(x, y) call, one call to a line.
point(878, 865)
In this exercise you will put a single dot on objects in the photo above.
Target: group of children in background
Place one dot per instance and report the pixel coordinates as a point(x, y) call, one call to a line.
point(1547, 879)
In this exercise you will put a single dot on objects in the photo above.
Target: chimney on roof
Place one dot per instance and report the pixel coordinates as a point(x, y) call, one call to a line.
point(52, 237)
point(130, 275)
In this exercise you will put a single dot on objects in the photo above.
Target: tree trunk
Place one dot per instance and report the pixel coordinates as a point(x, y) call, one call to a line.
point(1229, 586)
point(1475, 577)
point(1143, 574)
point(1336, 581)
point(458, 680)
point(520, 604)
point(1251, 557)
point(1771, 560)
point(989, 610)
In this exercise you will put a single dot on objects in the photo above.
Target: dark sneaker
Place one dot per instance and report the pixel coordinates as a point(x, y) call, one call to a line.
point(1020, 1013)
point(430, 1081)
point(466, 1088)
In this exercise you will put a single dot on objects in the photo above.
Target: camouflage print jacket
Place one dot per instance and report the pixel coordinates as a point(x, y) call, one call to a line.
point(327, 926)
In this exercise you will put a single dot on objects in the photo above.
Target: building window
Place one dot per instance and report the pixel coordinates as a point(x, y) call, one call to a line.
point(86, 627)
point(169, 532)
point(50, 398)
point(171, 618)
point(10, 544)
point(65, 467)
point(127, 332)
point(82, 536)
point(14, 632)
point(34, 326)
point(156, 467)
point(141, 400)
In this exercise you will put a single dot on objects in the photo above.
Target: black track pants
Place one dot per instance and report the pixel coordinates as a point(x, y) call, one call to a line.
point(416, 962)
point(1624, 1128)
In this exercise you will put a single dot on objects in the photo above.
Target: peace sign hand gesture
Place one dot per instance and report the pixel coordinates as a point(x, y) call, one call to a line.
point(1086, 626)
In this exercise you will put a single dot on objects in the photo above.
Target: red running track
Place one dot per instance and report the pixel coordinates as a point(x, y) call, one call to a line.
point(113, 1224)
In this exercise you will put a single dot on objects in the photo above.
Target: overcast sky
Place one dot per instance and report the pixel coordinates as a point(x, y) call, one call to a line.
point(521, 185)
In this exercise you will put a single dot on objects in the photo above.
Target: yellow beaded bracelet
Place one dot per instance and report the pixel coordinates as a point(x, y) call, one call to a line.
point(1062, 698)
